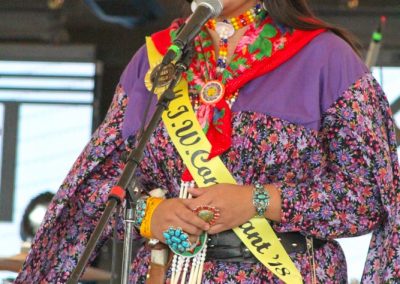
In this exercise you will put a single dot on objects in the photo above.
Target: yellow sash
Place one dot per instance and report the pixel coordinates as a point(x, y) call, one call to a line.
point(194, 148)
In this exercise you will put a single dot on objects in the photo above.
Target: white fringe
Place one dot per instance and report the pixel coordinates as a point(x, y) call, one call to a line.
point(180, 264)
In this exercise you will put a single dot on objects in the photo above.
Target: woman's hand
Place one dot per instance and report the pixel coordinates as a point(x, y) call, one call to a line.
point(235, 203)
point(174, 212)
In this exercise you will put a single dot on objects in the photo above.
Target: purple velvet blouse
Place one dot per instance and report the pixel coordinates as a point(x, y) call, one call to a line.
point(318, 75)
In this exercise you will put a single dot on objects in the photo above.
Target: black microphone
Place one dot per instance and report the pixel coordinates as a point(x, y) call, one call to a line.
point(205, 10)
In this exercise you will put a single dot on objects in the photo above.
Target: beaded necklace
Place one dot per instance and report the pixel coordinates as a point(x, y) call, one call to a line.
point(214, 90)
point(227, 28)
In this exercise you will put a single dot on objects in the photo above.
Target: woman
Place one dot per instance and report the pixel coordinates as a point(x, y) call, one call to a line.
point(302, 121)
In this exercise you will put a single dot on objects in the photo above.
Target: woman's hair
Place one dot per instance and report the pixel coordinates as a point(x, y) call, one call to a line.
point(297, 14)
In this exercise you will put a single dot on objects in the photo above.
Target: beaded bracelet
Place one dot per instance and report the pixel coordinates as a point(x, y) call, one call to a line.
point(140, 211)
point(151, 205)
point(261, 199)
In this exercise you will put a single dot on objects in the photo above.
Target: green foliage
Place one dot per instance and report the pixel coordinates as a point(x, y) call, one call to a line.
point(225, 75)
point(269, 31)
point(265, 49)
point(263, 43)
point(190, 75)
point(235, 64)
point(207, 43)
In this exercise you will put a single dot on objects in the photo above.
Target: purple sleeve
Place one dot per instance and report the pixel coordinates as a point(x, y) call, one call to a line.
point(132, 81)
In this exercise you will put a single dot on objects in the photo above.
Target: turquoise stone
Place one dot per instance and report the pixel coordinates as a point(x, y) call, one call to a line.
point(175, 239)
point(206, 215)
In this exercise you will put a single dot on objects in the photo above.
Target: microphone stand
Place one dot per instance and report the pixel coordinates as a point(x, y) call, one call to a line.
point(126, 185)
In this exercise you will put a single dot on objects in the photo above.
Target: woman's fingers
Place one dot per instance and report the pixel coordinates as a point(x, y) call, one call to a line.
point(190, 229)
point(193, 239)
point(191, 218)
point(197, 201)
point(217, 228)
point(196, 192)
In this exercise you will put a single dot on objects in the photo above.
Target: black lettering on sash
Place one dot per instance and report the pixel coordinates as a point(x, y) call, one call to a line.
point(282, 271)
point(204, 172)
point(178, 94)
point(254, 237)
point(263, 246)
point(181, 110)
point(184, 137)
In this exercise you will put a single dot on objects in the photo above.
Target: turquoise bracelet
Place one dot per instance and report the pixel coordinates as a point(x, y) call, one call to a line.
point(261, 199)
point(140, 211)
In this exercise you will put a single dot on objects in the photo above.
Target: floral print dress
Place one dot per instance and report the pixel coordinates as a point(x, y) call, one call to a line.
point(335, 157)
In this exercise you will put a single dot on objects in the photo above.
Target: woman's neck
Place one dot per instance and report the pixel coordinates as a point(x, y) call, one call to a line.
point(234, 9)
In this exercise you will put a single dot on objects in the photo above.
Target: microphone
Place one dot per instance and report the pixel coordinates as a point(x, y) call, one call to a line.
point(375, 45)
point(205, 10)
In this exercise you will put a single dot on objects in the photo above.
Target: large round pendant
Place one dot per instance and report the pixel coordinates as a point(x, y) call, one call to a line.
point(212, 92)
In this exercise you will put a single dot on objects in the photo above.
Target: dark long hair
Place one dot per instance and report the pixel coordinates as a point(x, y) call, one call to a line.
point(297, 14)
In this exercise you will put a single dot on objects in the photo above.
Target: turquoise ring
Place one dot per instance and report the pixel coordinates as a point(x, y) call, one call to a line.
point(177, 239)
point(179, 243)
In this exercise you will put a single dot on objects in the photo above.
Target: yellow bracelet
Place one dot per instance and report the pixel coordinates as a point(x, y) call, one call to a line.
point(151, 205)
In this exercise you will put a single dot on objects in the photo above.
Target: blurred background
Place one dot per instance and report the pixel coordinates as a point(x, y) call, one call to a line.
point(59, 63)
